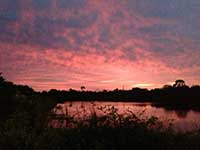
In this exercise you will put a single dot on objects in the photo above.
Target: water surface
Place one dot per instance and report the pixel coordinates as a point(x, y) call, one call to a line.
point(182, 120)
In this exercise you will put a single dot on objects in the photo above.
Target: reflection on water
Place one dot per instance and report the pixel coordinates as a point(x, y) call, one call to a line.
point(181, 113)
point(183, 120)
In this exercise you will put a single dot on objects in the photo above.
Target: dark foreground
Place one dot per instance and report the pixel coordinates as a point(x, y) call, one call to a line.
point(128, 133)
point(25, 124)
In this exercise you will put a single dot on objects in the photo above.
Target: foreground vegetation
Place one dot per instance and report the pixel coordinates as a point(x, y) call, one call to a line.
point(25, 123)
point(111, 131)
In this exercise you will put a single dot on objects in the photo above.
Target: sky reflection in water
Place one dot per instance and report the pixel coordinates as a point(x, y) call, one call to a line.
point(182, 120)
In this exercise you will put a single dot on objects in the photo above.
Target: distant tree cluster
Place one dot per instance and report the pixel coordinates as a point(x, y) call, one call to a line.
point(178, 92)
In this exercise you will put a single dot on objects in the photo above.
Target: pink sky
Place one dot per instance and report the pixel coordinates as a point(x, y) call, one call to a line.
point(99, 44)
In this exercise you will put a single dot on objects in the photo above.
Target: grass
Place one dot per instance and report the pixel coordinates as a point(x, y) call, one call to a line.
point(111, 131)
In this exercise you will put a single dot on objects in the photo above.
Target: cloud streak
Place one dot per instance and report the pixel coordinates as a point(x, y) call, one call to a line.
point(100, 44)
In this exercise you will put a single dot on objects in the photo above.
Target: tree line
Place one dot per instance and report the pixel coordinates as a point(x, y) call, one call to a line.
point(14, 96)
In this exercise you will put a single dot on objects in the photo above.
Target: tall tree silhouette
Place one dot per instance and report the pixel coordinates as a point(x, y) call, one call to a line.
point(179, 83)
point(1, 78)
point(83, 88)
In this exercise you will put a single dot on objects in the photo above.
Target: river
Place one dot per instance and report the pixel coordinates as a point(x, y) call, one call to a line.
point(183, 121)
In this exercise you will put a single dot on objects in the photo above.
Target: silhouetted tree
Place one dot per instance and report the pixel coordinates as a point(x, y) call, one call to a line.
point(179, 83)
point(83, 88)
point(167, 86)
point(1, 78)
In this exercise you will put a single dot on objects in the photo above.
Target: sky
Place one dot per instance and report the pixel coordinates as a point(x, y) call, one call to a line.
point(99, 44)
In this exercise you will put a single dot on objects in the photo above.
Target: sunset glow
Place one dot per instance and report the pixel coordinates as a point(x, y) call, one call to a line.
point(103, 44)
